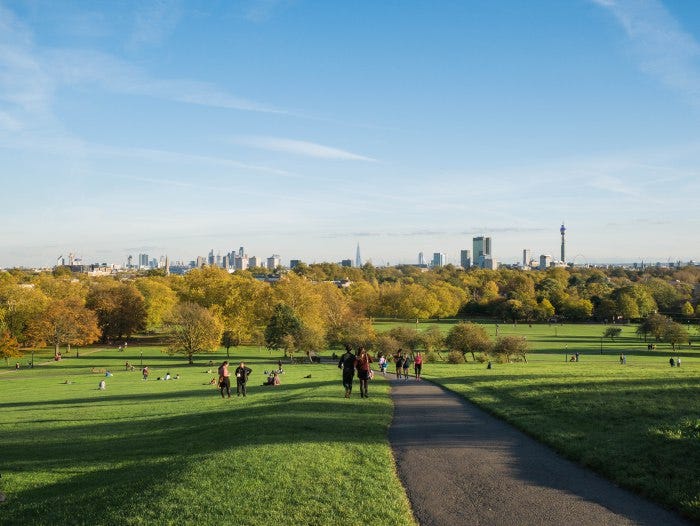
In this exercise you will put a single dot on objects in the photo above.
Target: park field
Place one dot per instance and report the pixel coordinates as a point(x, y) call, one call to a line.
point(175, 452)
point(637, 424)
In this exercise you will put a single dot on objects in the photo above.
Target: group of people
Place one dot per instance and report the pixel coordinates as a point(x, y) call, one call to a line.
point(361, 362)
point(403, 364)
point(242, 372)
point(674, 363)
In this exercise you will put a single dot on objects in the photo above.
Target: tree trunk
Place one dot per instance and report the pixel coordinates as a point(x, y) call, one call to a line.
point(55, 351)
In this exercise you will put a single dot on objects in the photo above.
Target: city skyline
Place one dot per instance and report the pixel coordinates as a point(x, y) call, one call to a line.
point(304, 130)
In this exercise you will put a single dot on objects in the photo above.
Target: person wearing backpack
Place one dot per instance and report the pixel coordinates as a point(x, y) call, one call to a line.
point(399, 363)
point(362, 364)
point(347, 364)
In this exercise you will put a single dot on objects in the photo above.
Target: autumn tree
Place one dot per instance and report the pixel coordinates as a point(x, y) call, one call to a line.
point(159, 300)
point(9, 347)
point(468, 338)
point(64, 322)
point(282, 326)
point(120, 308)
point(194, 330)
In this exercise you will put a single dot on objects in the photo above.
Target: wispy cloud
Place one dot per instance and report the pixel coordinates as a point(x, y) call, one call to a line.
point(295, 147)
point(663, 48)
point(262, 10)
point(154, 21)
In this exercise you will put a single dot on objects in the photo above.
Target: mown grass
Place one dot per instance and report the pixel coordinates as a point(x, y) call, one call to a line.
point(174, 452)
point(638, 424)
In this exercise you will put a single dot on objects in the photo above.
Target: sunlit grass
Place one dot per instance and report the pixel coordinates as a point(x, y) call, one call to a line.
point(166, 452)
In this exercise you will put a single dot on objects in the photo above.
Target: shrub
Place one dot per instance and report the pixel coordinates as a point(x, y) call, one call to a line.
point(431, 357)
point(481, 358)
point(455, 357)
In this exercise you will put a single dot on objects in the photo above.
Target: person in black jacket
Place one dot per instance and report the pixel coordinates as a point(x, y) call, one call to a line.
point(242, 373)
point(347, 364)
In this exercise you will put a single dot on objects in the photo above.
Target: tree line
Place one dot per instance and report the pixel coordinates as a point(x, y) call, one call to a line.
point(321, 305)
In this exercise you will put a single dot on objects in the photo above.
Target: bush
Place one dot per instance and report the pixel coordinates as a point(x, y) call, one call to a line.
point(455, 357)
point(431, 357)
point(481, 358)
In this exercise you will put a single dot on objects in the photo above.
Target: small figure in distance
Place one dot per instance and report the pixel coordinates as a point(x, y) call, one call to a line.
point(273, 379)
point(406, 366)
point(678, 361)
point(623, 359)
point(102, 385)
point(167, 376)
point(488, 365)
point(418, 365)
point(362, 364)
point(242, 373)
point(224, 379)
point(671, 362)
point(398, 359)
point(126, 365)
point(16, 365)
point(347, 364)
point(382, 365)
point(145, 372)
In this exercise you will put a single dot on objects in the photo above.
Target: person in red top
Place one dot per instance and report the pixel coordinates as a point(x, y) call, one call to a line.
point(224, 379)
point(362, 364)
point(418, 365)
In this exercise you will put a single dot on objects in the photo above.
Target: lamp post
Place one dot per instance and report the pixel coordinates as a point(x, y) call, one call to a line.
point(141, 354)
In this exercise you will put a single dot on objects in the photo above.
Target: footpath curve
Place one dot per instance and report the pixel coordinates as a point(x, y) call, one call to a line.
point(462, 466)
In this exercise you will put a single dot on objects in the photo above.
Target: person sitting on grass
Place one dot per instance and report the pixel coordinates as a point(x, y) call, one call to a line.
point(273, 379)
point(102, 385)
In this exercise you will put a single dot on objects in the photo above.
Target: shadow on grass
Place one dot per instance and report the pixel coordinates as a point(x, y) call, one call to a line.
point(117, 469)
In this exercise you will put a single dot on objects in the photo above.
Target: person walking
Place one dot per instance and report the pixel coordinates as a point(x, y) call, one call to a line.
point(145, 372)
point(418, 365)
point(347, 364)
point(382, 365)
point(242, 373)
point(406, 366)
point(399, 363)
point(362, 364)
point(224, 379)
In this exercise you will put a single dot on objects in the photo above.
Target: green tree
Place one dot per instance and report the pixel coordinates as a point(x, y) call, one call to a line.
point(687, 309)
point(468, 338)
point(409, 339)
point(612, 332)
point(508, 346)
point(159, 301)
point(674, 333)
point(283, 326)
point(229, 339)
point(194, 330)
point(433, 339)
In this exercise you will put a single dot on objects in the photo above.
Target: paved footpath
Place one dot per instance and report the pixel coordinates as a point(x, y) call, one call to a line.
point(461, 466)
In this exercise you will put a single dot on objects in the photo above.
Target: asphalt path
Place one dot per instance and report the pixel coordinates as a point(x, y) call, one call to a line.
point(462, 466)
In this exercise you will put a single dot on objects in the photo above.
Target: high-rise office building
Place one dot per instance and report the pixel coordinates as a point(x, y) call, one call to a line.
point(210, 259)
point(439, 259)
point(273, 262)
point(465, 258)
point(421, 259)
point(253, 261)
point(481, 250)
point(358, 259)
point(293, 263)
point(346, 263)
point(143, 260)
point(545, 261)
point(526, 257)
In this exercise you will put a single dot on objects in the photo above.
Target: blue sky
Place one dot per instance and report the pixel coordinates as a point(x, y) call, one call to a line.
point(302, 128)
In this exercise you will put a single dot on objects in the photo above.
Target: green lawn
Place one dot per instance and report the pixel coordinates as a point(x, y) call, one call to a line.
point(174, 452)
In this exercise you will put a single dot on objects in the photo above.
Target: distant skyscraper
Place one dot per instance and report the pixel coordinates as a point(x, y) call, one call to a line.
point(526, 257)
point(439, 259)
point(358, 259)
point(346, 263)
point(465, 258)
point(562, 231)
point(253, 261)
point(293, 263)
point(210, 260)
point(241, 252)
point(143, 260)
point(482, 250)
point(545, 261)
point(421, 258)
point(273, 262)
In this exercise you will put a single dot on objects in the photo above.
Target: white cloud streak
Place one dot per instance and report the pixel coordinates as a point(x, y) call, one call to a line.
point(663, 48)
point(296, 147)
